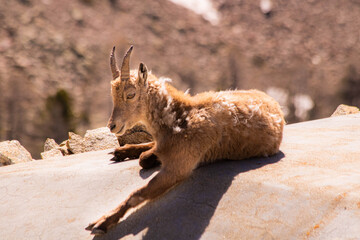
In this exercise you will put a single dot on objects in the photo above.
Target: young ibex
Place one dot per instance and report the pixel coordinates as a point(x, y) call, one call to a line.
point(187, 130)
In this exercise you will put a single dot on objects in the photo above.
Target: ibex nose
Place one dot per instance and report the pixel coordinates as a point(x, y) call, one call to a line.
point(112, 126)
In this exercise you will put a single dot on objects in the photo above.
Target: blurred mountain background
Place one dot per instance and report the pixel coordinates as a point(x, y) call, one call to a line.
point(54, 56)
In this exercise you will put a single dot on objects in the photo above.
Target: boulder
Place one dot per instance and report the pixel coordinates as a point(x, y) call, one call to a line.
point(12, 152)
point(100, 139)
point(94, 140)
point(343, 109)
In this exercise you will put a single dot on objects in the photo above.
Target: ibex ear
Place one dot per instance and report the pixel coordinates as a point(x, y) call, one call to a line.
point(142, 73)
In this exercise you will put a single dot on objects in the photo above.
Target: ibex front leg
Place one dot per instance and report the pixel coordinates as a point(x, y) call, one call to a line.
point(162, 182)
point(131, 151)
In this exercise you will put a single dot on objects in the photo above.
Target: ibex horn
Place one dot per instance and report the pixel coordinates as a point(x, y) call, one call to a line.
point(125, 67)
point(114, 68)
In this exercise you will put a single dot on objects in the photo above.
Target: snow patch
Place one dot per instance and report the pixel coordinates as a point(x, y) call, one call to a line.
point(204, 8)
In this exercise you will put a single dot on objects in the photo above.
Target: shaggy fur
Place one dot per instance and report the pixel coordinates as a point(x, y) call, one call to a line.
point(187, 131)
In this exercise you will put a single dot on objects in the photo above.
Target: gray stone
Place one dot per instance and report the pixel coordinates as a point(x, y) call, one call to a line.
point(100, 139)
point(50, 144)
point(12, 152)
point(94, 140)
point(64, 149)
point(310, 190)
point(52, 149)
point(53, 153)
point(343, 109)
point(76, 143)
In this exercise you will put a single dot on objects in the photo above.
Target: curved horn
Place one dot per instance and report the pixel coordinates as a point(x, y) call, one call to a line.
point(125, 67)
point(114, 68)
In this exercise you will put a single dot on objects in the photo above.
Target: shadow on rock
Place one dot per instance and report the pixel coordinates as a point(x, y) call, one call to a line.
point(145, 173)
point(185, 211)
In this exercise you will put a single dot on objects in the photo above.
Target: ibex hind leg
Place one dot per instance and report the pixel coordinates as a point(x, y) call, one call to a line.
point(161, 183)
point(148, 159)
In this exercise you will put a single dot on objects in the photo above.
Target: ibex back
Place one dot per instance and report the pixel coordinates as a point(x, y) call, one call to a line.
point(187, 130)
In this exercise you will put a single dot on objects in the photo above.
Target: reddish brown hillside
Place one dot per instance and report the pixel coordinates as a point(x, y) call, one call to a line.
point(54, 73)
point(54, 68)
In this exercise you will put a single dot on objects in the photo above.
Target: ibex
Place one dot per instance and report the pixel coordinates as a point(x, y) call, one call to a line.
point(187, 130)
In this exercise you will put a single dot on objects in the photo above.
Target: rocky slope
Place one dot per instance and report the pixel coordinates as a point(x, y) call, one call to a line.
point(309, 48)
point(54, 60)
point(54, 73)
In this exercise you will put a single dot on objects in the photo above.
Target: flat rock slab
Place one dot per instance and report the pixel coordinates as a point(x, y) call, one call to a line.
point(311, 190)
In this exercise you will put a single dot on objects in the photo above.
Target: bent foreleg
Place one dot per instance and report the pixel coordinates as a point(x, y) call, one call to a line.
point(131, 151)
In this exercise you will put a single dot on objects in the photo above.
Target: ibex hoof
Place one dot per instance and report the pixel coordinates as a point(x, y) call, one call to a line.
point(90, 226)
point(116, 159)
point(97, 228)
point(120, 154)
point(97, 232)
point(103, 224)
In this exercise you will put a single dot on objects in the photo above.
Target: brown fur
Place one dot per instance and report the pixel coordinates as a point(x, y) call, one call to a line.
point(188, 131)
point(137, 134)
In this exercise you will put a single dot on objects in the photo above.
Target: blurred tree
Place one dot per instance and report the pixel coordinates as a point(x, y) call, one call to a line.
point(59, 118)
point(15, 96)
point(350, 87)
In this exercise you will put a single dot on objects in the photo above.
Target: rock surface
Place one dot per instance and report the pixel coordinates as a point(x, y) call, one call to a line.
point(12, 152)
point(343, 109)
point(310, 190)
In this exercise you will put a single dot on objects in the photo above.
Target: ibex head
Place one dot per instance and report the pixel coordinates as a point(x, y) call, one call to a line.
point(128, 90)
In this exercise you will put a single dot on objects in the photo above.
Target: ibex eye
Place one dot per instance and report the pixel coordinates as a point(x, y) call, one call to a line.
point(130, 96)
